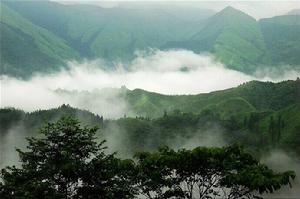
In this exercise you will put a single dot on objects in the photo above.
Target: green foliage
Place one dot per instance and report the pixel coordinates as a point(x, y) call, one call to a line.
point(206, 173)
point(66, 162)
point(248, 97)
point(10, 117)
point(241, 113)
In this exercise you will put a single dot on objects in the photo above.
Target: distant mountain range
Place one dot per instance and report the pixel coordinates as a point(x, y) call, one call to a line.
point(40, 36)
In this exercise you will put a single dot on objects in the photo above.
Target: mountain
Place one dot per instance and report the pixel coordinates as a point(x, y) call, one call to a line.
point(261, 115)
point(294, 12)
point(233, 37)
point(249, 97)
point(65, 32)
point(282, 39)
point(110, 33)
point(27, 48)
point(253, 96)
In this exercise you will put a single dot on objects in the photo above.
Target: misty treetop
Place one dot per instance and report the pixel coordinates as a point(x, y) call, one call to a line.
point(67, 161)
point(260, 115)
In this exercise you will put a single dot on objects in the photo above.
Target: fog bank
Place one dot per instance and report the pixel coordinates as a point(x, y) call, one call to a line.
point(280, 162)
point(167, 72)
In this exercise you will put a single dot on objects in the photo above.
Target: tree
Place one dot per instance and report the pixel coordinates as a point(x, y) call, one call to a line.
point(152, 179)
point(206, 173)
point(66, 162)
point(275, 129)
point(271, 129)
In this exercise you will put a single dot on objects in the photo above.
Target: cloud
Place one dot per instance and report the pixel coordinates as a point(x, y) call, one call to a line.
point(280, 162)
point(14, 137)
point(167, 72)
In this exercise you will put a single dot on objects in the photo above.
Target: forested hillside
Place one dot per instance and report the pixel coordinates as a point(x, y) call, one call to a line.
point(252, 96)
point(65, 32)
point(281, 35)
point(233, 37)
point(27, 48)
point(259, 115)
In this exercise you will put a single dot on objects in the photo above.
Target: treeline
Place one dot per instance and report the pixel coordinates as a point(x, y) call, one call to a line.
point(257, 131)
point(68, 162)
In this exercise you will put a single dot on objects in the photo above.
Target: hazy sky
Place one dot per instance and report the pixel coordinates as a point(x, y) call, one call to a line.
point(257, 9)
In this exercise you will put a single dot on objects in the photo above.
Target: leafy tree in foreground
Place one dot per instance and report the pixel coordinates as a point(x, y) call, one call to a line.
point(66, 163)
point(206, 173)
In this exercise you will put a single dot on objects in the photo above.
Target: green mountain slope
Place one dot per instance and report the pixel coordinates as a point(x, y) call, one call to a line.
point(27, 48)
point(62, 32)
point(260, 115)
point(112, 33)
point(291, 127)
point(282, 38)
point(253, 95)
point(233, 37)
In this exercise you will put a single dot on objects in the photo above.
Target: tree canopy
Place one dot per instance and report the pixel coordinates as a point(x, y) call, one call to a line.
point(68, 161)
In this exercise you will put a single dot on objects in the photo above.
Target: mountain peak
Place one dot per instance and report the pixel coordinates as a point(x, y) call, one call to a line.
point(294, 12)
point(228, 8)
point(233, 13)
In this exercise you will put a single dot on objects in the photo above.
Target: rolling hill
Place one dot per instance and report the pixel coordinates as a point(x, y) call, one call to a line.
point(110, 33)
point(27, 48)
point(254, 95)
point(251, 113)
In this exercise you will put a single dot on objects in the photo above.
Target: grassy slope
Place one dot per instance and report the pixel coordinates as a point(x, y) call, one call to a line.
point(27, 48)
point(108, 33)
point(230, 111)
point(255, 95)
point(282, 38)
point(291, 130)
point(233, 37)
point(238, 41)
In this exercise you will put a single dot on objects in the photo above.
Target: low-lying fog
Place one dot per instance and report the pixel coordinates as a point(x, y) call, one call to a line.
point(167, 72)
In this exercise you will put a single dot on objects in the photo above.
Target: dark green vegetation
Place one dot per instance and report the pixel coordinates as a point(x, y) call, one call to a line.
point(253, 96)
point(68, 162)
point(40, 36)
point(260, 115)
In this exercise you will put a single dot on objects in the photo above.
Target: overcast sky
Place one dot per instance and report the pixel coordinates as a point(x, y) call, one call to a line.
point(257, 9)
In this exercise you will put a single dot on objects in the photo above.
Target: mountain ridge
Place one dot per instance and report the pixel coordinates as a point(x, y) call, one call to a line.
point(235, 38)
point(244, 113)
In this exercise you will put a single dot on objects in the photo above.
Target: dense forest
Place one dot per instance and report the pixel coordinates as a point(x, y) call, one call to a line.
point(68, 162)
point(260, 115)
